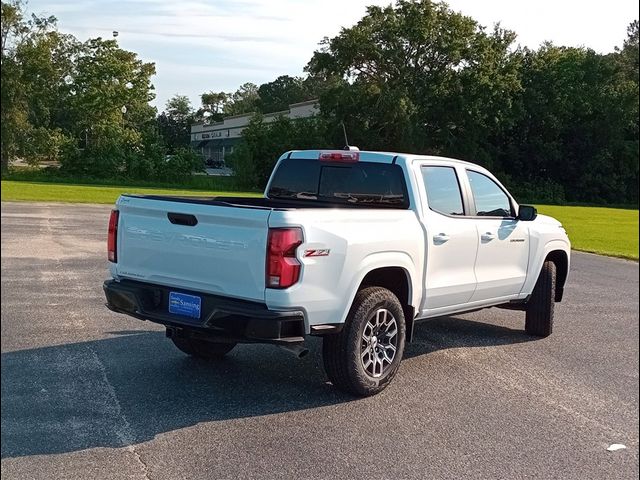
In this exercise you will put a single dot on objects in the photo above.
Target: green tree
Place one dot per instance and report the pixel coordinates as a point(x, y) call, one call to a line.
point(174, 123)
point(179, 108)
point(278, 95)
point(627, 59)
point(628, 54)
point(108, 110)
point(244, 100)
point(417, 76)
point(576, 126)
point(213, 106)
point(84, 104)
point(35, 59)
point(263, 142)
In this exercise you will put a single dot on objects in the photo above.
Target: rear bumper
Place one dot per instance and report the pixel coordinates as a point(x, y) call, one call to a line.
point(222, 319)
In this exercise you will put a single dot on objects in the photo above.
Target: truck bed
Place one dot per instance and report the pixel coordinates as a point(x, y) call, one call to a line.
point(214, 245)
point(258, 202)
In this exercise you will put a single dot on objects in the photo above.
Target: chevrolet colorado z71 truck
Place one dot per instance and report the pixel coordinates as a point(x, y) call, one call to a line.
point(353, 246)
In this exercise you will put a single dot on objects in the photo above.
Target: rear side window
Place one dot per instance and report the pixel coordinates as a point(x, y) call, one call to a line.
point(358, 184)
point(490, 199)
point(443, 190)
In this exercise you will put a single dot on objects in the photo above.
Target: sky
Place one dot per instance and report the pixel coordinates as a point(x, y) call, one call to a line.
point(200, 45)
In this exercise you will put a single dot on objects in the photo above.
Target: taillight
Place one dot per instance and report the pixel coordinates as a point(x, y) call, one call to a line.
point(339, 156)
point(283, 269)
point(112, 237)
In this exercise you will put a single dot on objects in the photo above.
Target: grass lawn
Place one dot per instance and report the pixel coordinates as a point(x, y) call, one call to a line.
point(59, 192)
point(608, 231)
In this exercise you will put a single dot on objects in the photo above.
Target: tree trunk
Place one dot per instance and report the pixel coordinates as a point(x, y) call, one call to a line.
point(4, 162)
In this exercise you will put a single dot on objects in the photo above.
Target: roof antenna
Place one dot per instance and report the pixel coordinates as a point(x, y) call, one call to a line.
point(346, 140)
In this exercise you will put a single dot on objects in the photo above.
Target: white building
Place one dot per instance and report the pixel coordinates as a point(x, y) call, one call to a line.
point(215, 140)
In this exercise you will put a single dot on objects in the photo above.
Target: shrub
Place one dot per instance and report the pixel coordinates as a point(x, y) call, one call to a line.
point(184, 163)
point(242, 163)
point(543, 190)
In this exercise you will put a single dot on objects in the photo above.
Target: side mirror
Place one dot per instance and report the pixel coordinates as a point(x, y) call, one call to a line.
point(527, 213)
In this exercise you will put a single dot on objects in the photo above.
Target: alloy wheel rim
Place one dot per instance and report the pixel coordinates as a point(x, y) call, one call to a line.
point(379, 343)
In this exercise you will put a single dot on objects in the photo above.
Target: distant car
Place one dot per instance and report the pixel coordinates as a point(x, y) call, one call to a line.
point(211, 163)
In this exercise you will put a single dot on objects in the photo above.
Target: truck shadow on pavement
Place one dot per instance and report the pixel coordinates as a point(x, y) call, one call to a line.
point(134, 385)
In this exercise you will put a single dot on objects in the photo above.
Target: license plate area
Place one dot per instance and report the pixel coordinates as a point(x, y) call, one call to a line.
point(186, 305)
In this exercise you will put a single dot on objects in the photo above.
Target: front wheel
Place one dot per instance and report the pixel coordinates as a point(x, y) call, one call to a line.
point(365, 356)
point(201, 348)
point(539, 319)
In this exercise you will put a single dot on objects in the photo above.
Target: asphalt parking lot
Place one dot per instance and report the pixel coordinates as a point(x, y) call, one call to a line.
point(87, 393)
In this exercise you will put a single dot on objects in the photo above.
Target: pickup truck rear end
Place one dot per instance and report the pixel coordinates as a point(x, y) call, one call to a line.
point(202, 273)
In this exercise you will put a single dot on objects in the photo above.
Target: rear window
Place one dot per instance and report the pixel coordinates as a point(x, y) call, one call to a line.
point(358, 184)
point(443, 190)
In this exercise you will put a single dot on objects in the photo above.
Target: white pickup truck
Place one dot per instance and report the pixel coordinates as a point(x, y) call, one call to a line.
point(351, 245)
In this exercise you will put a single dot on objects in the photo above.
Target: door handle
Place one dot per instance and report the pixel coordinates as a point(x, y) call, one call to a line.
point(440, 238)
point(487, 237)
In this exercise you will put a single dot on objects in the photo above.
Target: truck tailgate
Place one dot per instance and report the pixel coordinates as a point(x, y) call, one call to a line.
point(223, 253)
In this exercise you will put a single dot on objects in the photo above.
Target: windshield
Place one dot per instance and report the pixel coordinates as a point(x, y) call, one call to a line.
point(362, 183)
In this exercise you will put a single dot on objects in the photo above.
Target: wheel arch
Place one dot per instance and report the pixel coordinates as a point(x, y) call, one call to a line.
point(398, 281)
point(561, 261)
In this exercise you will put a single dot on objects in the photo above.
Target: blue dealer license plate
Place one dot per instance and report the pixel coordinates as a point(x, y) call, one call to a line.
point(183, 304)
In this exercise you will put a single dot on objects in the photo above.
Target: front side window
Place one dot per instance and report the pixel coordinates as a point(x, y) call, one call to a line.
point(490, 199)
point(443, 190)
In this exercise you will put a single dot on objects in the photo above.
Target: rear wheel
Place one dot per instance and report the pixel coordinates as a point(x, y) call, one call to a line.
point(539, 319)
point(365, 356)
point(202, 348)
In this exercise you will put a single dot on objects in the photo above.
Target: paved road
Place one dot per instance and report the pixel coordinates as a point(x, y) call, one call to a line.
point(90, 394)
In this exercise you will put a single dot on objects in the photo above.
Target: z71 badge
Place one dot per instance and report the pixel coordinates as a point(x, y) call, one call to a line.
point(317, 253)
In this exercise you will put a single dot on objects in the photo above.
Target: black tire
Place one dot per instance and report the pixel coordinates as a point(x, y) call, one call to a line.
point(539, 319)
point(343, 352)
point(201, 348)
